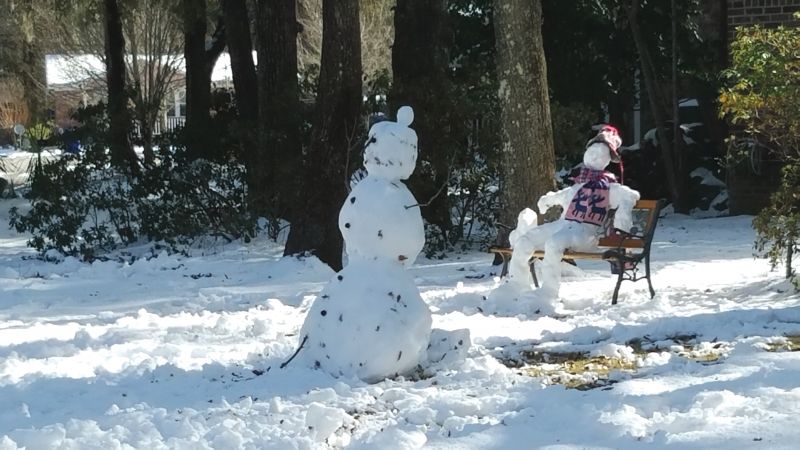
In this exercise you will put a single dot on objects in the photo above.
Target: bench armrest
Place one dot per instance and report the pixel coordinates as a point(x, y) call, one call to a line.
point(622, 240)
point(627, 235)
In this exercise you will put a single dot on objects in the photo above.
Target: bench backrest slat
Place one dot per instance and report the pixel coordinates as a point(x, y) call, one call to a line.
point(652, 207)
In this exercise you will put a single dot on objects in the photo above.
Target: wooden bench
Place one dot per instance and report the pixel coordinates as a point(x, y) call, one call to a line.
point(624, 251)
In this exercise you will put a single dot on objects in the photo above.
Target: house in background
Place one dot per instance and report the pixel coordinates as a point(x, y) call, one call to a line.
point(76, 81)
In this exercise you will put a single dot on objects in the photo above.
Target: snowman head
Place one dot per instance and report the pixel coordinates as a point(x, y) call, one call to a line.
point(391, 148)
point(602, 149)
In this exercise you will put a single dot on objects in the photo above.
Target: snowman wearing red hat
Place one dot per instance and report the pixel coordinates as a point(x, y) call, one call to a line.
point(586, 210)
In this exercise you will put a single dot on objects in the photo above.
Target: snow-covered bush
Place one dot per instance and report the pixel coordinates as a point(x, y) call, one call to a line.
point(82, 206)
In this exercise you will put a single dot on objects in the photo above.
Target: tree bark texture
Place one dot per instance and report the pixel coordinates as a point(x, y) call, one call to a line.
point(34, 79)
point(420, 61)
point(335, 137)
point(122, 154)
point(198, 79)
point(22, 57)
point(528, 156)
point(245, 84)
point(671, 146)
point(277, 156)
point(240, 48)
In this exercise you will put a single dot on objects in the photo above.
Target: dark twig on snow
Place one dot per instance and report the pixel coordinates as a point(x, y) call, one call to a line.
point(305, 338)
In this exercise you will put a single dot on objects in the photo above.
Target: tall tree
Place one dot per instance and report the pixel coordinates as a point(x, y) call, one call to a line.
point(122, 154)
point(245, 84)
point(240, 48)
point(334, 136)
point(528, 169)
point(420, 62)
point(661, 106)
point(278, 152)
point(200, 60)
point(22, 54)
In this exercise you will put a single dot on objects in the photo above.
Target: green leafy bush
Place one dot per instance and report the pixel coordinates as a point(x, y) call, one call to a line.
point(761, 101)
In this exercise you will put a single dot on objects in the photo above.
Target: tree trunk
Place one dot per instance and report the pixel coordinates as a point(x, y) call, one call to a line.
point(528, 155)
point(671, 148)
point(245, 84)
point(277, 157)
point(420, 70)
point(334, 138)
point(122, 154)
point(34, 79)
point(198, 79)
point(240, 48)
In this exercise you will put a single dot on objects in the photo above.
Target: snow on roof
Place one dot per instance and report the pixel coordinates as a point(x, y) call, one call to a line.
point(68, 69)
point(222, 69)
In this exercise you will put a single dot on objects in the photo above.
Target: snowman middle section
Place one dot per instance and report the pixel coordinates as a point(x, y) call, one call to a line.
point(380, 219)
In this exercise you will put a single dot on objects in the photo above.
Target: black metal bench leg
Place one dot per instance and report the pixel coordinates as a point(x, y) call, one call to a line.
point(533, 272)
point(619, 281)
point(504, 271)
point(647, 273)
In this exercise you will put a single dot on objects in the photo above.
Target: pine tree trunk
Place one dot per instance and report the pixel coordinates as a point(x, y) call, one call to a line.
point(528, 155)
point(420, 79)
point(245, 84)
point(336, 136)
point(198, 81)
point(277, 156)
point(122, 155)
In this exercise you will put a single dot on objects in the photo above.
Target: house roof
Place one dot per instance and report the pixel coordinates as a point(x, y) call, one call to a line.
point(75, 69)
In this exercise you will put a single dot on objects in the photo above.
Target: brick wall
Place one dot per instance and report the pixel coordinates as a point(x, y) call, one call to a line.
point(770, 13)
point(749, 193)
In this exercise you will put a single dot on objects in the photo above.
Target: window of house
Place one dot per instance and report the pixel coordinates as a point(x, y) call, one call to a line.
point(176, 103)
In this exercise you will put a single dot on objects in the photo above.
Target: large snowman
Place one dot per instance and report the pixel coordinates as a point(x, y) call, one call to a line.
point(370, 321)
point(586, 210)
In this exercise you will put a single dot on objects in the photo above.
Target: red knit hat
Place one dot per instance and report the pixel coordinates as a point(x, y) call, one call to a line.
point(610, 136)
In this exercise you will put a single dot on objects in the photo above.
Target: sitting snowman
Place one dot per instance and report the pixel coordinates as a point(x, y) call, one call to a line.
point(586, 208)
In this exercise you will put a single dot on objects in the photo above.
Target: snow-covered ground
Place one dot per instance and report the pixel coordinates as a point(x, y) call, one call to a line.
point(185, 353)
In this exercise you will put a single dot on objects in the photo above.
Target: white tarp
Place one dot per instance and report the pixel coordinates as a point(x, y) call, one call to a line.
point(16, 166)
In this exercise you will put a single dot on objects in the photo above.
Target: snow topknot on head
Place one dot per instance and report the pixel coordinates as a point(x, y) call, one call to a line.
point(391, 149)
point(405, 115)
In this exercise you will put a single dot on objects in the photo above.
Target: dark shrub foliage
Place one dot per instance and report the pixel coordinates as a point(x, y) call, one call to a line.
point(81, 206)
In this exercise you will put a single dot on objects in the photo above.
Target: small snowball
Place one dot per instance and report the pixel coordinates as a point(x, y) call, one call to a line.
point(405, 115)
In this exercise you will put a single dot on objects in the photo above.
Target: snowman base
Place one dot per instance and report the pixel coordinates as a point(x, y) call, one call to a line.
point(369, 322)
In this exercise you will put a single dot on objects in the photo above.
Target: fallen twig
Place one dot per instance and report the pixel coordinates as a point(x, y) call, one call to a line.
point(295, 352)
